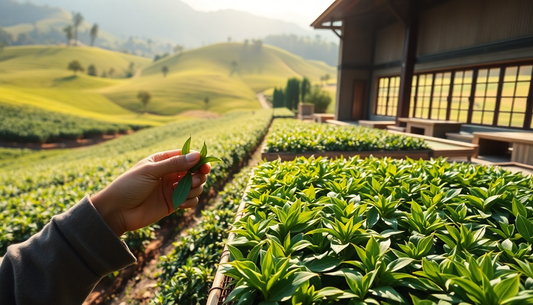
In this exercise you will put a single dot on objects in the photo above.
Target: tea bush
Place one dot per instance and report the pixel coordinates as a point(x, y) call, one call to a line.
point(383, 231)
point(298, 136)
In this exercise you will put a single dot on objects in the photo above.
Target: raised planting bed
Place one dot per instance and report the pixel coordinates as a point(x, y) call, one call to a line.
point(289, 139)
point(381, 231)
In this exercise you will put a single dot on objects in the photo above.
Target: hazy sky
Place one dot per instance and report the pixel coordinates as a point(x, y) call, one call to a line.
point(301, 12)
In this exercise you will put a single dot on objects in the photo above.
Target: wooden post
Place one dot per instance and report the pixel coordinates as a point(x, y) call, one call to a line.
point(408, 61)
point(529, 105)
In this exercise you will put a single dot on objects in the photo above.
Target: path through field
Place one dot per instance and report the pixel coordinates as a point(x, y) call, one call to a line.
point(262, 100)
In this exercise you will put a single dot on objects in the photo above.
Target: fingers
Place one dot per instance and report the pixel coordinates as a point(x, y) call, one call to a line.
point(174, 164)
point(189, 203)
point(205, 169)
point(160, 156)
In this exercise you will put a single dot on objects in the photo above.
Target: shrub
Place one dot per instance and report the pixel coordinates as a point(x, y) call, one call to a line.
point(320, 98)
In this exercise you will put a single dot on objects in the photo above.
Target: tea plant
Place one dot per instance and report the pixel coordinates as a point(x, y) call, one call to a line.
point(282, 113)
point(33, 191)
point(383, 231)
point(296, 136)
point(188, 271)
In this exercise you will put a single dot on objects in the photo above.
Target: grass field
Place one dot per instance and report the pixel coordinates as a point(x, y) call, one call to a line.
point(38, 76)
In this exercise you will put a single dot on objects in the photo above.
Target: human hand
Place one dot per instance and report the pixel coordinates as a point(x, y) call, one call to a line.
point(143, 194)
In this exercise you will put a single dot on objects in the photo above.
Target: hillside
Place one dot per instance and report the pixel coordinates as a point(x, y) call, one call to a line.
point(208, 72)
point(38, 76)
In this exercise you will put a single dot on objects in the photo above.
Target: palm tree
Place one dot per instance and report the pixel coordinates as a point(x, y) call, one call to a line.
point(144, 97)
point(69, 33)
point(77, 19)
point(94, 33)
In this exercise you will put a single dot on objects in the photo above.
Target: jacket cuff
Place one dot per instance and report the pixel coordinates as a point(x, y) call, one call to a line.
point(93, 240)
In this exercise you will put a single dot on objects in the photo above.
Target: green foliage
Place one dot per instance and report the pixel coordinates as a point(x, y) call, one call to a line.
point(283, 113)
point(383, 231)
point(296, 136)
point(31, 124)
point(305, 88)
point(278, 98)
point(144, 97)
point(187, 274)
point(91, 70)
point(320, 98)
point(292, 93)
point(75, 66)
point(31, 193)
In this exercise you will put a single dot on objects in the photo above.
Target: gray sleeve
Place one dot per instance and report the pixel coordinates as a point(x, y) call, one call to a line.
point(62, 263)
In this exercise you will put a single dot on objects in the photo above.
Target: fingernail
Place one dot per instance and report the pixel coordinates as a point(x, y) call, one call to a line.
point(196, 181)
point(192, 156)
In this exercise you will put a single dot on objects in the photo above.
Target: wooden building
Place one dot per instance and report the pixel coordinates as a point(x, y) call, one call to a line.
point(462, 60)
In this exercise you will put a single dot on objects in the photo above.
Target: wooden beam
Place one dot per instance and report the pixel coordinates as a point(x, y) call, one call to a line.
point(410, 44)
point(395, 12)
point(336, 33)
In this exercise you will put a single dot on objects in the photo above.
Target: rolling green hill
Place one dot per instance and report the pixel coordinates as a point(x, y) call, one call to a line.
point(38, 76)
point(208, 72)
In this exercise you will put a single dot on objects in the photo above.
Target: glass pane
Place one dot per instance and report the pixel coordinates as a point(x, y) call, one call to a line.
point(453, 115)
point(438, 79)
point(492, 89)
point(510, 74)
point(478, 104)
point(488, 117)
point(466, 90)
point(482, 76)
point(506, 104)
point(517, 120)
point(414, 80)
point(446, 78)
point(425, 112)
point(519, 105)
point(468, 76)
point(476, 117)
point(442, 114)
point(525, 73)
point(503, 119)
point(465, 104)
point(508, 89)
point(494, 75)
point(490, 103)
point(522, 89)
point(480, 89)
point(463, 116)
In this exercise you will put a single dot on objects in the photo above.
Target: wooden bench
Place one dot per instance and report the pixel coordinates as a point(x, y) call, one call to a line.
point(396, 128)
point(377, 124)
point(462, 136)
point(497, 143)
point(431, 128)
point(323, 117)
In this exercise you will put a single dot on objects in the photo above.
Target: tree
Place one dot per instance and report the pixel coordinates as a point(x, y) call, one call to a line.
point(144, 97)
point(75, 66)
point(206, 101)
point(104, 74)
point(292, 93)
point(305, 88)
point(164, 69)
point(91, 70)
point(326, 78)
point(278, 98)
point(77, 20)
point(111, 72)
point(68, 33)
point(178, 48)
point(234, 65)
point(320, 98)
point(94, 33)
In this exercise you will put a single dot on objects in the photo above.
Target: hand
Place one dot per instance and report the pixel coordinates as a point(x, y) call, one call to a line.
point(143, 194)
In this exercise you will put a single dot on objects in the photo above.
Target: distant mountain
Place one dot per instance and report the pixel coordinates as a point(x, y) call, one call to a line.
point(175, 21)
point(308, 48)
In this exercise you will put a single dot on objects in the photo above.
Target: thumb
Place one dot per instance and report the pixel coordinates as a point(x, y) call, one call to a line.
point(175, 164)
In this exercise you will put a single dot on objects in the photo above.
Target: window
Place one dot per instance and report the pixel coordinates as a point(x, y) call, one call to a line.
point(492, 96)
point(388, 91)
point(514, 96)
point(485, 96)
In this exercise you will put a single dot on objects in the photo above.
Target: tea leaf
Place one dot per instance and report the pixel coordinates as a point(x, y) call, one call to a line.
point(186, 147)
point(182, 190)
point(204, 161)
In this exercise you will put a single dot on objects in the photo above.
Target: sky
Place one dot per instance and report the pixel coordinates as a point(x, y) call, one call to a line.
point(301, 12)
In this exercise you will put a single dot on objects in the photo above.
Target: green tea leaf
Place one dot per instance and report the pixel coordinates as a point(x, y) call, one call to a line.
point(204, 161)
point(525, 227)
point(186, 147)
point(203, 152)
point(182, 190)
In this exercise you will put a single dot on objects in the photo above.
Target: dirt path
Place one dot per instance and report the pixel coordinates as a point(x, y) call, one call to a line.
point(260, 96)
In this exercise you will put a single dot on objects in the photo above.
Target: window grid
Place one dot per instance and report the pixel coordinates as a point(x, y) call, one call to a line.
point(492, 96)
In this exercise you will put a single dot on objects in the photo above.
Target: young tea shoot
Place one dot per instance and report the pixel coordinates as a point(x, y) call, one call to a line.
point(184, 185)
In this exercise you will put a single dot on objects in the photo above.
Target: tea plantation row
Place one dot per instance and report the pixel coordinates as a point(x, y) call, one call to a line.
point(297, 136)
point(31, 124)
point(30, 194)
point(382, 231)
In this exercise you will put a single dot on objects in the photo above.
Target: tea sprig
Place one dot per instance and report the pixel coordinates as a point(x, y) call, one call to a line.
point(184, 185)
